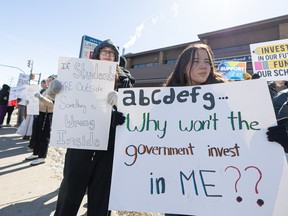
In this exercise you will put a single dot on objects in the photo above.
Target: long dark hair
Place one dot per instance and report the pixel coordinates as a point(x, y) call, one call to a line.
point(179, 77)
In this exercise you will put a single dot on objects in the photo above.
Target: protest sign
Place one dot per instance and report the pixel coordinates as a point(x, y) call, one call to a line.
point(232, 70)
point(270, 59)
point(33, 102)
point(199, 150)
point(81, 116)
point(17, 92)
point(23, 79)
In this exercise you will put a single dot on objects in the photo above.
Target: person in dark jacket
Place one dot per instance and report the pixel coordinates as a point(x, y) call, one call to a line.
point(123, 65)
point(4, 98)
point(276, 87)
point(283, 111)
point(43, 123)
point(35, 127)
point(279, 100)
point(91, 170)
point(279, 133)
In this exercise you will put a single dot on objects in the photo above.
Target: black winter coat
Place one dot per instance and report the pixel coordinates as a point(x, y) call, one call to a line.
point(283, 112)
point(126, 80)
point(4, 95)
point(279, 100)
point(275, 90)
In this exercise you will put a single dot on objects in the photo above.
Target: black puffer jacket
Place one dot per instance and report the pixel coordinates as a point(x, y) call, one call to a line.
point(279, 100)
point(274, 90)
point(283, 112)
point(126, 80)
point(280, 104)
point(4, 95)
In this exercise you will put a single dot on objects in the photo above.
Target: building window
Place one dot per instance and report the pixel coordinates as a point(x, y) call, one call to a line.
point(149, 65)
point(144, 65)
point(231, 49)
point(171, 61)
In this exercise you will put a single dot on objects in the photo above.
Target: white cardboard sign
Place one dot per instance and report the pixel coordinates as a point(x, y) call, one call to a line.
point(199, 150)
point(33, 105)
point(270, 59)
point(23, 79)
point(17, 92)
point(81, 116)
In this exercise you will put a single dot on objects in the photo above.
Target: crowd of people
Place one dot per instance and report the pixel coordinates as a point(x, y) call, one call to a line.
point(90, 171)
point(34, 128)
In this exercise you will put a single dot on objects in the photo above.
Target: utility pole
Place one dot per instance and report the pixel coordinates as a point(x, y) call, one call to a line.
point(11, 79)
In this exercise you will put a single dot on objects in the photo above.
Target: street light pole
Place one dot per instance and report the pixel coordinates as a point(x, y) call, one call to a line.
point(12, 67)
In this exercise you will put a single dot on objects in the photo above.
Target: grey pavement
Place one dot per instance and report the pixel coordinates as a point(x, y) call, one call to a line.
point(28, 190)
point(32, 190)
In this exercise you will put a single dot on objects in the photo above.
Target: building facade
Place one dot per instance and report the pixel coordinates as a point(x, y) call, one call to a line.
point(151, 68)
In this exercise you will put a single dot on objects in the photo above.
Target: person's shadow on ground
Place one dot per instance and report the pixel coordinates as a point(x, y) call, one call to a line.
point(40, 206)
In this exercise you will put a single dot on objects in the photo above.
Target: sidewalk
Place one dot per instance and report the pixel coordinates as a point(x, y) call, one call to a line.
point(28, 190)
point(32, 190)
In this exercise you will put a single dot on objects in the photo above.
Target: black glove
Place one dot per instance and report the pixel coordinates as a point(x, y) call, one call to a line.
point(279, 134)
point(117, 118)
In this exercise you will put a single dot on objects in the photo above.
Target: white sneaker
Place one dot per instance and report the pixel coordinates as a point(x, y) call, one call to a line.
point(31, 157)
point(37, 161)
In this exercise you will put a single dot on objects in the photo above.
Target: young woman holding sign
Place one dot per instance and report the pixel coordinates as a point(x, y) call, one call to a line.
point(91, 170)
point(195, 67)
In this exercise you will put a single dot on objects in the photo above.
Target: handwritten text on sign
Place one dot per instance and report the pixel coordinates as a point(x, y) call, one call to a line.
point(183, 148)
point(270, 59)
point(82, 115)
